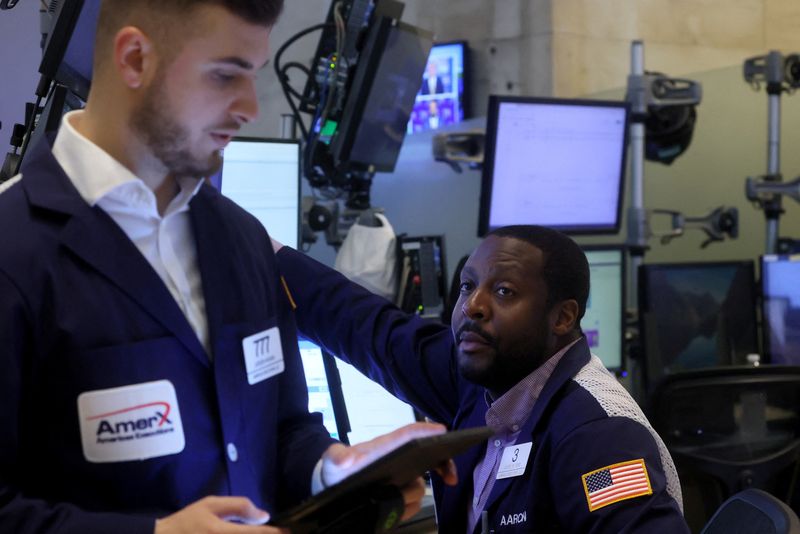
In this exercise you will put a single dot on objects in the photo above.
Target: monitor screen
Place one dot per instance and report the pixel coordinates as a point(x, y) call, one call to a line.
point(371, 410)
point(441, 99)
point(320, 396)
point(696, 315)
point(263, 177)
point(780, 284)
point(381, 98)
point(553, 162)
point(603, 324)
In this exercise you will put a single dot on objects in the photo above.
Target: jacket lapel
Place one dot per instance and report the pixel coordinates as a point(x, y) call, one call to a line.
point(214, 253)
point(97, 240)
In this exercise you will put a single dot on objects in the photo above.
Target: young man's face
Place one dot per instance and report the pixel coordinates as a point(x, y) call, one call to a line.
point(201, 98)
point(500, 322)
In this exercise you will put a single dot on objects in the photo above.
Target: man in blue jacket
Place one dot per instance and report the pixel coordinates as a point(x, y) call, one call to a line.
point(572, 452)
point(151, 380)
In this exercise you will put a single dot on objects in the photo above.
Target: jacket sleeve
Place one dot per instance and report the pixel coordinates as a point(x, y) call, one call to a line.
point(302, 438)
point(594, 447)
point(410, 357)
point(20, 513)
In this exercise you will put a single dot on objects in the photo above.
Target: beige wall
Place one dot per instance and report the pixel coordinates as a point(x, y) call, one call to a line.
point(591, 38)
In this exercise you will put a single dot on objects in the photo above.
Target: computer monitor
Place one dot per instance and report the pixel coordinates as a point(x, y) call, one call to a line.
point(371, 410)
point(321, 390)
point(696, 315)
point(780, 285)
point(604, 321)
point(554, 162)
point(263, 177)
point(442, 98)
point(381, 97)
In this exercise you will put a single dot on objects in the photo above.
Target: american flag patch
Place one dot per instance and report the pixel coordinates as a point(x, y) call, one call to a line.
point(616, 483)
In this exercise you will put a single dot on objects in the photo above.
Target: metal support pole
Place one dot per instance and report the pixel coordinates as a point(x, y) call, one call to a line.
point(637, 222)
point(772, 209)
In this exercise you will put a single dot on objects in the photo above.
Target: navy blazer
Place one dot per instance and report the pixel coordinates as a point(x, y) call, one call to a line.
point(573, 429)
point(82, 310)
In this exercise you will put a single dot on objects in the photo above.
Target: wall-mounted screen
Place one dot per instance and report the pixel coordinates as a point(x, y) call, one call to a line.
point(263, 177)
point(554, 162)
point(443, 97)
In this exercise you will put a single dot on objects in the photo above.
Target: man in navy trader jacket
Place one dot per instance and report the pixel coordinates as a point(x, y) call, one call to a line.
point(148, 353)
point(572, 450)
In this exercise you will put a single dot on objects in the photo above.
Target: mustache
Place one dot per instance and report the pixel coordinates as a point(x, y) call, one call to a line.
point(471, 326)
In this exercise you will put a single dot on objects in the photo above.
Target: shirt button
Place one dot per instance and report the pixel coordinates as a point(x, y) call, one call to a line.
point(497, 443)
point(514, 427)
point(233, 454)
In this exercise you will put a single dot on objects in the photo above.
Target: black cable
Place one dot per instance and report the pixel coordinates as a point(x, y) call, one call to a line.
point(281, 75)
point(285, 78)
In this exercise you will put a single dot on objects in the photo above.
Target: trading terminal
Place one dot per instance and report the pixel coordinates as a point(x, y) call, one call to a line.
point(394, 136)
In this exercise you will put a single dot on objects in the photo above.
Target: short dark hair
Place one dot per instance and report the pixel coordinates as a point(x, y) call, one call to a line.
point(114, 14)
point(565, 269)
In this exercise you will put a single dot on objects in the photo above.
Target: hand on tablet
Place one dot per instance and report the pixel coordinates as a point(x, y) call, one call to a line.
point(340, 461)
point(218, 515)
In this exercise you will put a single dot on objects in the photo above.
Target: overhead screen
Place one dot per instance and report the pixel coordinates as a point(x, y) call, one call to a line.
point(442, 98)
point(780, 279)
point(378, 108)
point(263, 177)
point(554, 162)
point(696, 315)
point(603, 324)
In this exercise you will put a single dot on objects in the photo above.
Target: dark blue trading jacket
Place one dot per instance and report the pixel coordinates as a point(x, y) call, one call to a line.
point(583, 421)
point(82, 310)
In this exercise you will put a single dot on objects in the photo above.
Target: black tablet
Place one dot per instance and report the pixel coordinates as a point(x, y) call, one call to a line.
point(397, 468)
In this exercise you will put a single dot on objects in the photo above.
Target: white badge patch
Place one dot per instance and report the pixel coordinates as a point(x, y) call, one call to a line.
point(514, 460)
point(134, 422)
point(263, 355)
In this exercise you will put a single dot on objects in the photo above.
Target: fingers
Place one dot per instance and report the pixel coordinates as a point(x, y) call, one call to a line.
point(386, 443)
point(340, 461)
point(448, 472)
point(217, 515)
point(413, 492)
point(240, 508)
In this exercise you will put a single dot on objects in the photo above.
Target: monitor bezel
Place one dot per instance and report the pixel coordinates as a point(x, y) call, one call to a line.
point(487, 175)
point(274, 140)
point(622, 370)
point(642, 307)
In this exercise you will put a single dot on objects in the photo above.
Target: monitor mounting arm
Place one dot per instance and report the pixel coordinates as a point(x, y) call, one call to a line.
point(716, 224)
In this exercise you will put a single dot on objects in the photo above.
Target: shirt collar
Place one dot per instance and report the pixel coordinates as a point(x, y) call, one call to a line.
point(97, 175)
point(511, 410)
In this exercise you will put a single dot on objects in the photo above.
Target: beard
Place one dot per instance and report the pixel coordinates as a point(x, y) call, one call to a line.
point(501, 367)
point(167, 139)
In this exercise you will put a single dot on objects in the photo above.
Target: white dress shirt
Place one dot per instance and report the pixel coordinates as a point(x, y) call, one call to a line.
point(167, 242)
